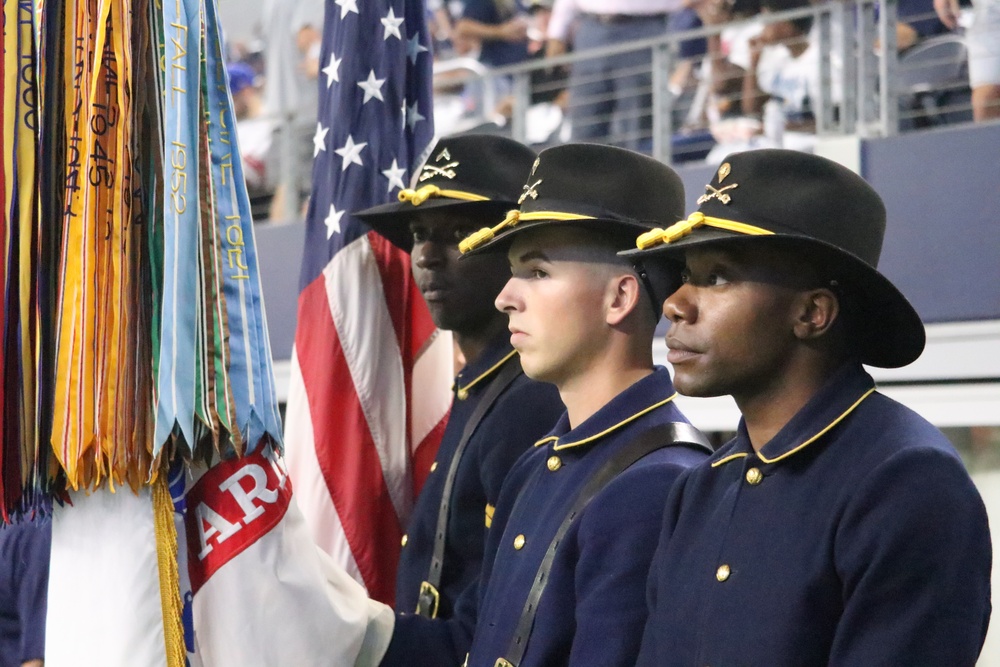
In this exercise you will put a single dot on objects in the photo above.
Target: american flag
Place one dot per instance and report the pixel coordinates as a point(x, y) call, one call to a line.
point(370, 383)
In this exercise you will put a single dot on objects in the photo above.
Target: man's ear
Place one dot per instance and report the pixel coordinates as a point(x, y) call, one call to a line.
point(623, 296)
point(816, 311)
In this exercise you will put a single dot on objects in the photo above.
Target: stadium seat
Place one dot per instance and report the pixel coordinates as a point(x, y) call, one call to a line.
point(933, 83)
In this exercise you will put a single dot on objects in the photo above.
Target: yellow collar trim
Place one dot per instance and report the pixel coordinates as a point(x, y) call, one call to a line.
point(731, 457)
point(557, 447)
point(681, 229)
point(820, 434)
point(463, 392)
point(422, 194)
point(486, 234)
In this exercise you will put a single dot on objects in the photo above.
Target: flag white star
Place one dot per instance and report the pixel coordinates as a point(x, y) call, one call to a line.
point(332, 70)
point(351, 152)
point(395, 176)
point(319, 139)
point(413, 116)
point(372, 87)
point(347, 6)
point(414, 48)
point(391, 24)
point(332, 221)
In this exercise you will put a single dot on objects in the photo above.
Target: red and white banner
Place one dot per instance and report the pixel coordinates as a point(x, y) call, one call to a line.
point(264, 594)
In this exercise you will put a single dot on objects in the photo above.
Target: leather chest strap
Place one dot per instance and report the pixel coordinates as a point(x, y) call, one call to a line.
point(674, 433)
point(429, 598)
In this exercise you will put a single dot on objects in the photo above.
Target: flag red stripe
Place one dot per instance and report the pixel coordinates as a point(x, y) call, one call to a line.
point(414, 327)
point(394, 267)
point(346, 452)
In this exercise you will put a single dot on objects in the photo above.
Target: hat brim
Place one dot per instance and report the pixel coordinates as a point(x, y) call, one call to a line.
point(392, 220)
point(892, 334)
point(502, 241)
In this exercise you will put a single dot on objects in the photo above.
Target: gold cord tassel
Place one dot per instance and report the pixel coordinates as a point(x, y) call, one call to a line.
point(166, 556)
point(422, 194)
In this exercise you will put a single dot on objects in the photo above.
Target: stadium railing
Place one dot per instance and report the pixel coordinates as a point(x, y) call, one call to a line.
point(865, 88)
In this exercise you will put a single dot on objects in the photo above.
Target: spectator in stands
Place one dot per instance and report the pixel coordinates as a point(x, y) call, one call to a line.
point(439, 24)
point(784, 74)
point(291, 93)
point(916, 20)
point(255, 131)
point(247, 101)
point(690, 51)
point(250, 52)
point(541, 14)
point(501, 28)
point(549, 96)
point(983, 41)
point(24, 583)
point(618, 85)
point(717, 103)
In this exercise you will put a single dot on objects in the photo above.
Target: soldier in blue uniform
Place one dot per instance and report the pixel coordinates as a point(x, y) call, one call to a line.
point(497, 412)
point(837, 527)
point(24, 579)
point(575, 526)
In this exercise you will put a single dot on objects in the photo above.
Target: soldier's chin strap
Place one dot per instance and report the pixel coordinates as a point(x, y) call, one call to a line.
point(640, 269)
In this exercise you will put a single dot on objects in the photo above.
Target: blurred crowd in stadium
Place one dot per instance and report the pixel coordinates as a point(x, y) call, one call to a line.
point(749, 83)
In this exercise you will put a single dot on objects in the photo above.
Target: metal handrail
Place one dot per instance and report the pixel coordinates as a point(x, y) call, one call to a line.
point(846, 28)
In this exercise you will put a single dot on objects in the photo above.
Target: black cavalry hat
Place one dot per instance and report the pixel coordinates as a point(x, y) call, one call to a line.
point(478, 176)
point(773, 195)
point(589, 185)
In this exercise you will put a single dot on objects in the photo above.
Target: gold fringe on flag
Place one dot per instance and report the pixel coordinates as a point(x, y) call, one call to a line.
point(166, 556)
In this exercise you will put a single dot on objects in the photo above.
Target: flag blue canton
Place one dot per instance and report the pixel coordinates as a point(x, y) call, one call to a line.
point(375, 118)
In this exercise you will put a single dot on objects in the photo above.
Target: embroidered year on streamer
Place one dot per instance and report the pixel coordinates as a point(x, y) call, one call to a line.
point(250, 376)
point(178, 343)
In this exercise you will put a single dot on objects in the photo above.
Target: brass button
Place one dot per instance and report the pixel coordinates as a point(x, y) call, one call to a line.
point(402, 542)
point(519, 542)
point(462, 393)
point(722, 573)
point(754, 476)
point(434, 466)
point(554, 463)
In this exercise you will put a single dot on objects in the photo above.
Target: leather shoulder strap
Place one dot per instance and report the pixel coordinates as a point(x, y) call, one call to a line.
point(427, 602)
point(671, 434)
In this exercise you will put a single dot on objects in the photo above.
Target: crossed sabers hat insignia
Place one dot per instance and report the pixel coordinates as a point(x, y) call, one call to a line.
point(719, 194)
point(444, 171)
point(529, 191)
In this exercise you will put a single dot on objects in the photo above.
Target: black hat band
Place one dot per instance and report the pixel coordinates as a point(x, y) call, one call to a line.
point(423, 193)
point(486, 234)
point(697, 219)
